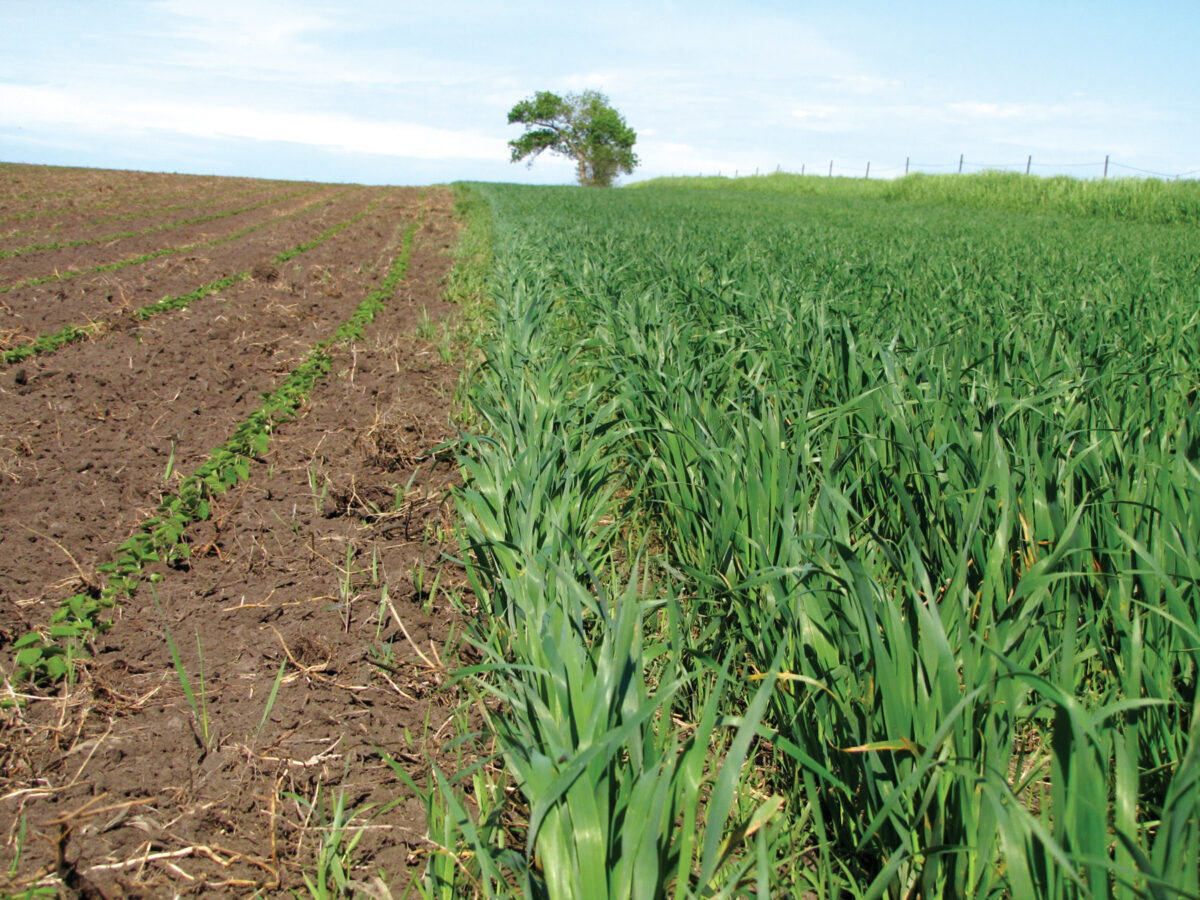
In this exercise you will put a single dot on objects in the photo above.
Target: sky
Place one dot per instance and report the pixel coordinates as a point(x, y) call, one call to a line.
point(399, 92)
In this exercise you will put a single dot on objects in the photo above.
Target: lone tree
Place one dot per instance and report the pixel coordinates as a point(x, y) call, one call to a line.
point(582, 127)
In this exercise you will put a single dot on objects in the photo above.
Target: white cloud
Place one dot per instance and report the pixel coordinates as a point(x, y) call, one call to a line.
point(864, 85)
point(672, 158)
point(603, 81)
point(300, 45)
point(37, 106)
point(1007, 112)
point(826, 117)
point(707, 86)
point(244, 22)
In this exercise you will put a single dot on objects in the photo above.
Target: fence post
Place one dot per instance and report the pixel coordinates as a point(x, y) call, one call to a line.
point(906, 165)
point(1105, 175)
point(868, 175)
point(1028, 163)
point(960, 159)
point(831, 168)
point(801, 168)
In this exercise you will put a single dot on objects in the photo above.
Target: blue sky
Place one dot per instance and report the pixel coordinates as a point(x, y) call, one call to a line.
point(390, 91)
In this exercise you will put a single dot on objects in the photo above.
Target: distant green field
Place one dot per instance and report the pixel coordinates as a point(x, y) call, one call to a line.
point(1128, 199)
point(888, 490)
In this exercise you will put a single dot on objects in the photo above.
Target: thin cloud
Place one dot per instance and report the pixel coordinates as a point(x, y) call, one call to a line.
point(242, 22)
point(668, 157)
point(1007, 112)
point(48, 106)
point(708, 86)
point(826, 118)
point(301, 46)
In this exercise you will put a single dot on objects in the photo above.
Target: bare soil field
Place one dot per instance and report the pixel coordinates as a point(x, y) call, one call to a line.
point(55, 261)
point(89, 293)
point(252, 706)
point(75, 225)
point(29, 191)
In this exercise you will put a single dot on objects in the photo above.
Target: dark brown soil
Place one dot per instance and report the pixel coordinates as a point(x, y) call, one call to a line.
point(329, 565)
point(105, 297)
point(43, 263)
point(97, 432)
point(43, 189)
point(159, 214)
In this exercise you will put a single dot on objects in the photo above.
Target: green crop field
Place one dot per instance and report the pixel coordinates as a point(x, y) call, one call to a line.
point(834, 539)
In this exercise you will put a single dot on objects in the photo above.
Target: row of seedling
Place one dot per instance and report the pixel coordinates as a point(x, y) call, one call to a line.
point(48, 654)
point(603, 790)
point(156, 229)
point(113, 188)
point(154, 254)
point(48, 343)
point(155, 208)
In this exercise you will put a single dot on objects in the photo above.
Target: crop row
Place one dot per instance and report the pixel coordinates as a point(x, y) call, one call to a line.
point(908, 491)
point(60, 443)
point(48, 343)
point(48, 653)
point(154, 254)
point(64, 245)
point(78, 219)
point(117, 288)
point(23, 187)
point(144, 257)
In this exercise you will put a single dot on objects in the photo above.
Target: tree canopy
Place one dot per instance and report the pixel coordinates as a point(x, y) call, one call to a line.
point(583, 127)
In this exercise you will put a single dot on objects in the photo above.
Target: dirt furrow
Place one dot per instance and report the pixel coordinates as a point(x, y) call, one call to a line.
point(43, 263)
point(309, 600)
point(24, 187)
point(45, 214)
point(44, 308)
point(161, 213)
point(91, 437)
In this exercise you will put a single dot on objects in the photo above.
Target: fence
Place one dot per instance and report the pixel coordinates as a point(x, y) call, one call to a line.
point(1099, 169)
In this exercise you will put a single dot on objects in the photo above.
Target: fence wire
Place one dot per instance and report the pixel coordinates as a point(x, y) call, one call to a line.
point(1104, 168)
